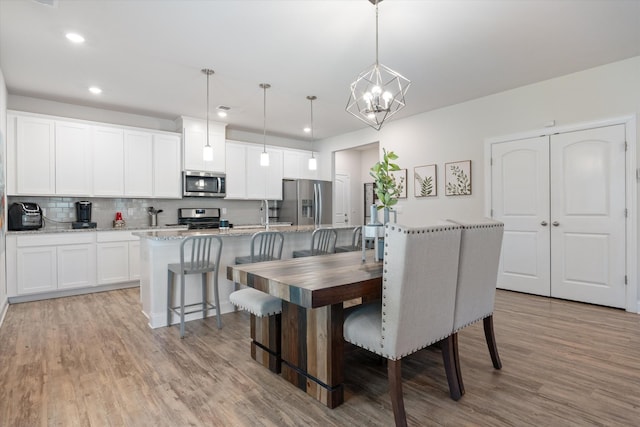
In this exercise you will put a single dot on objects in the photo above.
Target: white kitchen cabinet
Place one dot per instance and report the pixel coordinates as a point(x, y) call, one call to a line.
point(236, 183)
point(167, 173)
point(35, 156)
point(296, 165)
point(194, 133)
point(246, 179)
point(108, 161)
point(138, 164)
point(38, 263)
point(113, 262)
point(73, 159)
point(264, 182)
point(47, 156)
point(134, 260)
point(36, 269)
point(118, 254)
point(76, 265)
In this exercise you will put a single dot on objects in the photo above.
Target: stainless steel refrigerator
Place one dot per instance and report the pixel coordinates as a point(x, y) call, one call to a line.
point(307, 202)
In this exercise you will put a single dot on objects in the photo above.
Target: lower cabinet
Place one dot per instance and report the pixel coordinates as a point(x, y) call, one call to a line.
point(43, 263)
point(50, 262)
point(118, 257)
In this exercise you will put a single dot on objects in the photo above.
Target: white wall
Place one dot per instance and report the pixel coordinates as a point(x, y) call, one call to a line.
point(3, 227)
point(458, 132)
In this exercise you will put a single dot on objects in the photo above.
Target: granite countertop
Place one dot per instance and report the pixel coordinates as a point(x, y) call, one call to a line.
point(93, 230)
point(238, 231)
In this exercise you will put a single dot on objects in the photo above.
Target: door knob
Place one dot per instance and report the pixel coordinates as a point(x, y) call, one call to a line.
point(544, 223)
point(555, 223)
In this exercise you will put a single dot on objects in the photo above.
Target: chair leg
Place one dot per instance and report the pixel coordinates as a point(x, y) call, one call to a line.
point(169, 296)
point(216, 297)
point(456, 358)
point(182, 306)
point(204, 295)
point(491, 341)
point(394, 371)
point(450, 366)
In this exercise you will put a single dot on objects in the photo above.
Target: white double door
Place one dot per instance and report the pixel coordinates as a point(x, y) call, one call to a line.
point(562, 200)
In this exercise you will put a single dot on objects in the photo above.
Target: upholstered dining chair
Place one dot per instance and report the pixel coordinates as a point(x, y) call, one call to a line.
point(198, 255)
point(356, 242)
point(480, 247)
point(265, 309)
point(323, 242)
point(418, 298)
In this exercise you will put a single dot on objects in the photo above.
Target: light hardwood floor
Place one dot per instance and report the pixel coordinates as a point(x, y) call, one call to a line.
point(91, 360)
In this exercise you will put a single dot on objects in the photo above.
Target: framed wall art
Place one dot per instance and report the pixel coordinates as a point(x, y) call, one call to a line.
point(425, 180)
point(401, 180)
point(457, 178)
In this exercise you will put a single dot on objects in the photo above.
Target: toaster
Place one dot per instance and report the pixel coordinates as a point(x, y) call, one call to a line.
point(24, 216)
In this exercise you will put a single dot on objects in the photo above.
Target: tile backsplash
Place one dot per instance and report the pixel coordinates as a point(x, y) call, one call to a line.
point(60, 212)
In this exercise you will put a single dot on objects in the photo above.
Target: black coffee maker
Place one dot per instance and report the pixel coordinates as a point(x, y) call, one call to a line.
point(83, 216)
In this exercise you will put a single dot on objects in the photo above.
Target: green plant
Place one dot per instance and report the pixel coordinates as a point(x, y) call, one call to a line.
point(387, 188)
point(425, 185)
point(462, 186)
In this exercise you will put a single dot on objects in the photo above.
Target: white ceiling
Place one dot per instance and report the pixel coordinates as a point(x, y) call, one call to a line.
point(147, 55)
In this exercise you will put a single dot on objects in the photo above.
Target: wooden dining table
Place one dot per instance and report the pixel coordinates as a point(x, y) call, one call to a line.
point(313, 291)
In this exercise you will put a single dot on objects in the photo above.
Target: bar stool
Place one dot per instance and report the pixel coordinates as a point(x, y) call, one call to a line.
point(199, 252)
point(356, 242)
point(265, 309)
point(323, 242)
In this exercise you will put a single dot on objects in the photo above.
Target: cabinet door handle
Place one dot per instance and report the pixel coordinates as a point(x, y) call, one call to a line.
point(555, 223)
point(544, 223)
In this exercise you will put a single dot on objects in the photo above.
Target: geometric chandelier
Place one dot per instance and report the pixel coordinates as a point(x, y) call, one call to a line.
point(378, 92)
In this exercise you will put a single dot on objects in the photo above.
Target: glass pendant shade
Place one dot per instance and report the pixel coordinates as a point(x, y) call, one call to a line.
point(313, 164)
point(207, 153)
point(264, 159)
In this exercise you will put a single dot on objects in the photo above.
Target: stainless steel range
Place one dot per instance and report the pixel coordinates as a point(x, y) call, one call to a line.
point(199, 218)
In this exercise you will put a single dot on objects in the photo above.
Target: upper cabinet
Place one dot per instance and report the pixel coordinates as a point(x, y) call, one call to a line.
point(34, 156)
point(73, 159)
point(138, 164)
point(48, 156)
point(296, 165)
point(167, 173)
point(108, 161)
point(246, 179)
point(194, 133)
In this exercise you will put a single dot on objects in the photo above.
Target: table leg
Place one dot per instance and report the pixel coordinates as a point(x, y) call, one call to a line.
point(313, 351)
point(265, 341)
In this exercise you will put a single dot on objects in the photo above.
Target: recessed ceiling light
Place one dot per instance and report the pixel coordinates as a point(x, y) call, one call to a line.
point(95, 90)
point(222, 110)
point(75, 37)
point(307, 129)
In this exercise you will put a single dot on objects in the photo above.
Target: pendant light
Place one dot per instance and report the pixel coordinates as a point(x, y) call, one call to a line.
point(313, 164)
point(207, 152)
point(378, 92)
point(264, 156)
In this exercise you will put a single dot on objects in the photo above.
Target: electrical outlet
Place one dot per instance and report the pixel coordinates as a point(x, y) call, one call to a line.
point(44, 211)
point(224, 211)
point(130, 211)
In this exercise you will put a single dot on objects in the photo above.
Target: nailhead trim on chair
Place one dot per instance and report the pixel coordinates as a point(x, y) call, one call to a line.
point(484, 316)
point(393, 227)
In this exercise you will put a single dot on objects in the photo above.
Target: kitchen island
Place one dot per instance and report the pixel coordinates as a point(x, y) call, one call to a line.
point(160, 248)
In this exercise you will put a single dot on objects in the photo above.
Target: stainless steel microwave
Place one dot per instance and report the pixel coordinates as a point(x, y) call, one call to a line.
point(203, 184)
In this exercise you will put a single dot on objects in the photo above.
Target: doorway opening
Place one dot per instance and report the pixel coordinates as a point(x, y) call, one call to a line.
point(351, 173)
